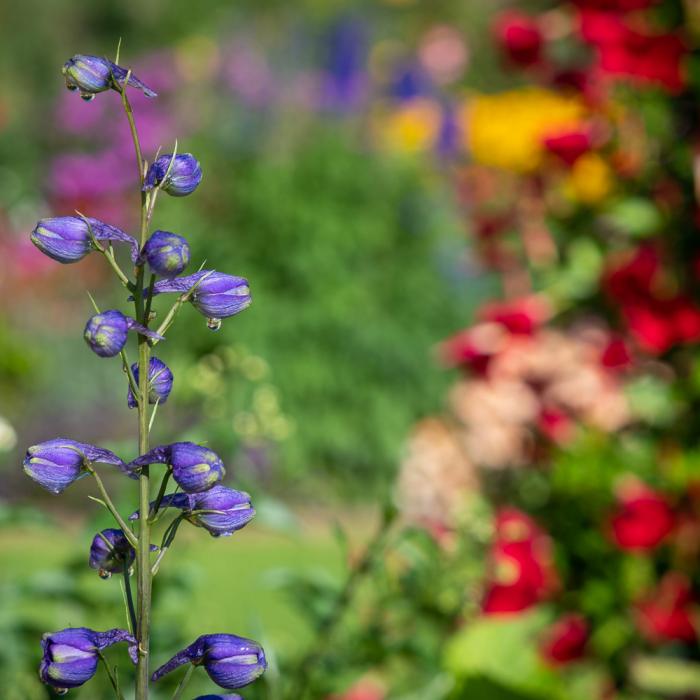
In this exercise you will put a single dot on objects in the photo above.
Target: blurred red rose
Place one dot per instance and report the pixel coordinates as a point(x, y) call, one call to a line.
point(643, 518)
point(565, 641)
point(521, 565)
point(519, 38)
point(616, 354)
point(616, 5)
point(521, 316)
point(569, 146)
point(667, 613)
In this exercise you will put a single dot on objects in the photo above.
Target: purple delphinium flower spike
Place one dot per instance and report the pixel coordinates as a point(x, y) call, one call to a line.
point(67, 238)
point(195, 468)
point(56, 464)
point(110, 552)
point(168, 254)
point(216, 295)
point(160, 382)
point(220, 510)
point(106, 332)
point(232, 696)
point(70, 656)
point(231, 661)
point(93, 74)
point(179, 179)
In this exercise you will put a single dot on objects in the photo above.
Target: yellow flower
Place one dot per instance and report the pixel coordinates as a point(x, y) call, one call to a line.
point(412, 127)
point(590, 180)
point(506, 130)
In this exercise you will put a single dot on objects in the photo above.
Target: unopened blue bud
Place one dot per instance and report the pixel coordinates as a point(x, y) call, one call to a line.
point(220, 510)
point(160, 382)
point(67, 238)
point(56, 464)
point(195, 468)
point(179, 179)
point(167, 253)
point(110, 552)
point(231, 661)
point(230, 696)
point(93, 74)
point(106, 332)
point(70, 657)
point(216, 295)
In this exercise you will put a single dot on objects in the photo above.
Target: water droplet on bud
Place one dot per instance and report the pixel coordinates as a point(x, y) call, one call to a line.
point(61, 691)
point(104, 574)
point(87, 96)
point(213, 324)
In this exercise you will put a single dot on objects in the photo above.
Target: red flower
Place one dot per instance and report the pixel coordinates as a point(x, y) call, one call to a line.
point(556, 425)
point(519, 316)
point(616, 354)
point(362, 690)
point(616, 5)
point(521, 565)
point(667, 613)
point(569, 146)
point(565, 641)
point(519, 37)
point(643, 518)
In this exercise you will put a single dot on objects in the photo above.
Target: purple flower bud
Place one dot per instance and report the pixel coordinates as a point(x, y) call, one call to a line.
point(67, 238)
point(93, 74)
point(111, 553)
point(231, 661)
point(160, 382)
point(106, 332)
point(182, 178)
point(232, 696)
point(70, 656)
point(216, 295)
point(220, 510)
point(56, 464)
point(167, 253)
point(195, 468)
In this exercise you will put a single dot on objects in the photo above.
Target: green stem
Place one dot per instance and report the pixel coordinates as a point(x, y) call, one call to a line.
point(112, 509)
point(168, 538)
point(161, 493)
point(112, 680)
point(129, 597)
point(183, 683)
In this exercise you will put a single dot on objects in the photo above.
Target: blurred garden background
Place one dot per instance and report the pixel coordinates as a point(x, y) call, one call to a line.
point(465, 397)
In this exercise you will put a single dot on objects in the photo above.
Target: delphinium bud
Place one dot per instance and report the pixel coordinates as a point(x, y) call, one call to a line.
point(231, 661)
point(110, 552)
point(220, 510)
point(93, 74)
point(168, 254)
point(216, 295)
point(219, 697)
point(71, 656)
point(195, 468)
point(106, 332)
point(179, 179)
point(160, 382)
point(67, 238)
point(56, 464)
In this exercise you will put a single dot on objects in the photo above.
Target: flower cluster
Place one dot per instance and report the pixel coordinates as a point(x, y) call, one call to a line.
point(71, 656)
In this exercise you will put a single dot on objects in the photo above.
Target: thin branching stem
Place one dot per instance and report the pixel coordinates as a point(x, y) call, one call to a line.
point(112, 509)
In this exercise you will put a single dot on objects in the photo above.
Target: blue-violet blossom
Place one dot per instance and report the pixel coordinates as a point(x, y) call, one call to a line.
point(168, 254)
point(231, 661)
point(110, 552)
point(106, 332)
point(179, 179)
point(93, 74)
point(195, 468)
point(160, 382)
point(56, 464)
point(216, 294)
point(70, 656)
point(220, 510)
point(67, 238)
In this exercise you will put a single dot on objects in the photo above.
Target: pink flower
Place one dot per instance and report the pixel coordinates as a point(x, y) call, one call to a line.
point(565, 641)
